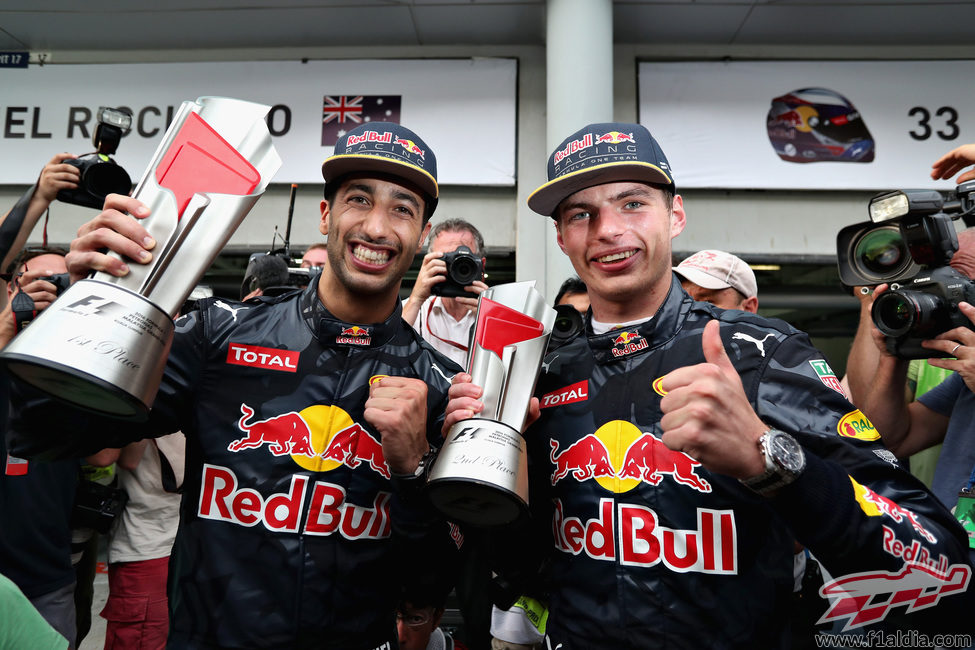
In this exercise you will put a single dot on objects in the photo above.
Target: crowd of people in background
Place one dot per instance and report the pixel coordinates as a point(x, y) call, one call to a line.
point(714, 440)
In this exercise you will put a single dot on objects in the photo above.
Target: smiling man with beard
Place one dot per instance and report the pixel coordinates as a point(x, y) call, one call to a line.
point(310, 419)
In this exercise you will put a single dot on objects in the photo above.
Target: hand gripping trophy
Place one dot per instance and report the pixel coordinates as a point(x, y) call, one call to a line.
point(480, 476)
point(103, 344)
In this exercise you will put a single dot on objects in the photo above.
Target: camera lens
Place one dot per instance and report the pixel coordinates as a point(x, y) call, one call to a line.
point(881, 253)
point(464, 270)
point(897, 313)
point(102, 179)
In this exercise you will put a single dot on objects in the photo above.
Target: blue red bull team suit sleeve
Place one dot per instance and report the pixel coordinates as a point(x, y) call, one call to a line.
point(648, 549)
point(292, 531)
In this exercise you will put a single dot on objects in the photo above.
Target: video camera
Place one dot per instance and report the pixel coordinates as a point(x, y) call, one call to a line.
point(908, 244)
point(276, 272)
point(463, 268)
point(100, 174)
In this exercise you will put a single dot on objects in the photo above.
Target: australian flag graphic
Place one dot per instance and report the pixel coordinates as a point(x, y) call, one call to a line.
point(340, 113)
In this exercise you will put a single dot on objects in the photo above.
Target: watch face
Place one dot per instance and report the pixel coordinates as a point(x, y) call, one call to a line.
point(786, 452)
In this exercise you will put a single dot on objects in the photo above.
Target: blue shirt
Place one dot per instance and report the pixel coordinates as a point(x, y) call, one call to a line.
point(952, 398)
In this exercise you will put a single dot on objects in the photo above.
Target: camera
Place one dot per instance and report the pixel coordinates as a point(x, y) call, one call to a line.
point(100, 174)
point(463, 268)
point(908, 243)
point(22, 304)
point(273, 273)
point(568, 323)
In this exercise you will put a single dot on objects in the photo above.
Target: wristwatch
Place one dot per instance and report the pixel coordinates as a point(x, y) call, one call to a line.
point(418, 477)
point(784, 462)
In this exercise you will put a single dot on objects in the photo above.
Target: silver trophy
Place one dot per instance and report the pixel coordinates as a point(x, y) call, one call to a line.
point(480, 476)
point(103, 344)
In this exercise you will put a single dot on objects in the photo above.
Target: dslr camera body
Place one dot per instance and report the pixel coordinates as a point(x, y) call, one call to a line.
point(908, 244)
point(100, 174)
point(463, 268)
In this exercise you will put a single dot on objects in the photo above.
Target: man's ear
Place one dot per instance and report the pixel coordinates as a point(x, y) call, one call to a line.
point(750, 304)
point(558, 236)
point(323, 226)
point(678, 217)
point(423, 235)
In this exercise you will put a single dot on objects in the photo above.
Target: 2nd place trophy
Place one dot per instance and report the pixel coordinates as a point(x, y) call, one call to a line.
point(480, 476)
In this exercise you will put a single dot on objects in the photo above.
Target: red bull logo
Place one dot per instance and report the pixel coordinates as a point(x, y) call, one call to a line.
point(615, 137)
point(637, 457)
point(375, 379)
point(641, 541)
point(650, 459)
point(329, 513)
point(343, 441)
point(284, 434)
point(410, 146)
point(865, 598)
point(572, 147)
point(628, 343)
point(354, 445)
point(370, 136)
point(354, 335)
point(876, 505)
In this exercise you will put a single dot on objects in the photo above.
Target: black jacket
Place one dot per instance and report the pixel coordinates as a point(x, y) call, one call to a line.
point(650, 550)
point(291, 532)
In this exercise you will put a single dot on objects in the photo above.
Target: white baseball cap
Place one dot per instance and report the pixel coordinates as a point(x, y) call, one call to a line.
point(714, 269)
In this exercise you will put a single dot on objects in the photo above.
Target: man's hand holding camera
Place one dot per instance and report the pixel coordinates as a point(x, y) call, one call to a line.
point(57, 175)
point(434, 272)
point(36, 290)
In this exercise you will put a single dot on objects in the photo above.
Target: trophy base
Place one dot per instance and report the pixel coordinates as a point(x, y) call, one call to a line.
point(480, 477)
point(76, 387)
point(99, 347)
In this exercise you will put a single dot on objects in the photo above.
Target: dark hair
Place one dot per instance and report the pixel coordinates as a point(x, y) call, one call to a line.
point(30, 253)
point(332, 188)
point(572, 286)
point(458, 225)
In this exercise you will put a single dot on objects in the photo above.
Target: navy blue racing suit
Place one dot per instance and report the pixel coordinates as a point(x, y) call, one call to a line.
point(291, 532)
point(648, 549)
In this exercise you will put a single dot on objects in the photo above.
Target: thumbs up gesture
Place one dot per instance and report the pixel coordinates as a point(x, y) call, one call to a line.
point(707, 415)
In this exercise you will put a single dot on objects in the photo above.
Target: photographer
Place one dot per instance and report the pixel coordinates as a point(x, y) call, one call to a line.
point(942, 415)
point(17, 224)
point(884, 385)
point(445, 322)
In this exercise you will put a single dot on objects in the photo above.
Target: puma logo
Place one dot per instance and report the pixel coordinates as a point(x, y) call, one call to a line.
point(760, 344)
point(233, 310)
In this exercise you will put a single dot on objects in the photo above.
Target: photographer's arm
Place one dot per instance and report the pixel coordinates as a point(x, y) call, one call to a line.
point(953, 162)
point(861, 364)
point(432, 271)
point(17, 224)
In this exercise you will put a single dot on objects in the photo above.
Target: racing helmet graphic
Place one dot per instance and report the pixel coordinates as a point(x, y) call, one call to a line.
point(818, 125)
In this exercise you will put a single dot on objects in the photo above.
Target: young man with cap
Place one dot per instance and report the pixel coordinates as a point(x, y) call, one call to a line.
point(309, 420)
point(719, 278)
point(682, 448)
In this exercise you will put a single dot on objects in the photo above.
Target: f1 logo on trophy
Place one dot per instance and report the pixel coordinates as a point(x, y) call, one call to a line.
point(103, 344)
point(480, 476)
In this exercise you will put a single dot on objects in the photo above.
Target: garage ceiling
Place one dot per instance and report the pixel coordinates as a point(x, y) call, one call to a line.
point(55, 25)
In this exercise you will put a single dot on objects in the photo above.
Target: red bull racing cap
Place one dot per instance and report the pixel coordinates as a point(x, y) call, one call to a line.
point(387, 148)
point(713, 269)
point(601, 153)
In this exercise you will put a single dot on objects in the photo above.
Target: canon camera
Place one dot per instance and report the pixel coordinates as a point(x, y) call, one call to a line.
point(100, 174)
point(908, 244)
point(463, 268)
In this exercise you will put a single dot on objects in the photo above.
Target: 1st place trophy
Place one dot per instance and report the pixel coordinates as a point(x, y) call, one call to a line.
point(103, 344)
point(480, 476)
